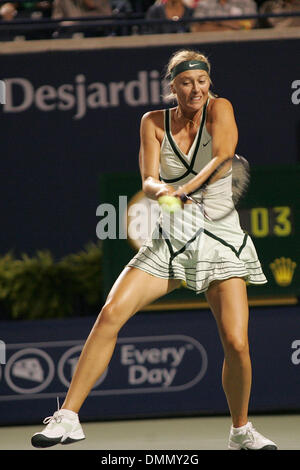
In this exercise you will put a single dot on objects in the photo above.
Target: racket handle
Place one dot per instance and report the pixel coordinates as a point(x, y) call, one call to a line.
point(183, 197)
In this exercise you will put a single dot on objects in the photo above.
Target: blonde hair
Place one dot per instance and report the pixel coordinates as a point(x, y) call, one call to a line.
point(181, 56)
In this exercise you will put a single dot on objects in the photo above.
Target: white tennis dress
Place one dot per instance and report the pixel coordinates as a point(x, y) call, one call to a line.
point(185, 245)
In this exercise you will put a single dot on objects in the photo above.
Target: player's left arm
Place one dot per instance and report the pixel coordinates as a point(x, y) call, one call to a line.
point(223, 129)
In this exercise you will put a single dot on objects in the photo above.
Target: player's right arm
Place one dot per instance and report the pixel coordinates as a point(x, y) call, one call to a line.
point(149, 156)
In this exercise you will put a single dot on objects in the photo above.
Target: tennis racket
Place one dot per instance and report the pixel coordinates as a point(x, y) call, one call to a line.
point(223, 190)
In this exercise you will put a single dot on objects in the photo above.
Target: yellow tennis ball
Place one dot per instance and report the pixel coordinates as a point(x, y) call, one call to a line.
point(169, 203)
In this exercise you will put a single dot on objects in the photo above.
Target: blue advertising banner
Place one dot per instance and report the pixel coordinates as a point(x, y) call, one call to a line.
point(164, 364)
point(71, 115)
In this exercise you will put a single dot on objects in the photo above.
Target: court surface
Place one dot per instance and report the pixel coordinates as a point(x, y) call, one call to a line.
point(194, 433)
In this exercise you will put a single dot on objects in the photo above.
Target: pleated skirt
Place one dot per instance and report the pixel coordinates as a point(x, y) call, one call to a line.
point(185, 245)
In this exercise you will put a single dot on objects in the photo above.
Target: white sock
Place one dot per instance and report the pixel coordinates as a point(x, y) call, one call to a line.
point(68, 413)
point(241, 428)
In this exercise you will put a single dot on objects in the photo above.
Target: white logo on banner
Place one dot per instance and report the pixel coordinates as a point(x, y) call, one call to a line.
point(159, 365)
point(80, 96)
point(29, 370)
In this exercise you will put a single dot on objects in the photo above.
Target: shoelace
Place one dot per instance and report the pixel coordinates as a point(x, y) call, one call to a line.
point(253, 432)
point(250, 432)
point(56, 417)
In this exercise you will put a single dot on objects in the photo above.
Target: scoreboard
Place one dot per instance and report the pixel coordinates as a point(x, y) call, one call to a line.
point(270, 214)
point(263, 222)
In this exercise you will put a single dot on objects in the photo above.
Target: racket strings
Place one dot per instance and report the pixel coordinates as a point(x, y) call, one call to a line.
point(240, 180)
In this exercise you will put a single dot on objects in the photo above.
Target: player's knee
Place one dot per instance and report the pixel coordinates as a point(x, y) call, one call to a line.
point(109, 317)
point(237, 345)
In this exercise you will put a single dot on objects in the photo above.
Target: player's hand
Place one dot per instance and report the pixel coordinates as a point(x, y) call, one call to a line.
point(165, 190)
point(179, 192)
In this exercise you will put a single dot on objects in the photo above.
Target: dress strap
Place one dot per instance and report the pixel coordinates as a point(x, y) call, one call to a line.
point(189, 166)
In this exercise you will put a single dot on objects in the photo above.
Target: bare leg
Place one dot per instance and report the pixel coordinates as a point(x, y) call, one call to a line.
point(229, 304)
point(133, 290)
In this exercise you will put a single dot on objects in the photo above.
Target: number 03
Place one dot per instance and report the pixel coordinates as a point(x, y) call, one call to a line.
point(279, 225)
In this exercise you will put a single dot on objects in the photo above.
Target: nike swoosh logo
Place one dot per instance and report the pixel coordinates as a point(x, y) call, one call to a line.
point(192, 65)
point(204, 145)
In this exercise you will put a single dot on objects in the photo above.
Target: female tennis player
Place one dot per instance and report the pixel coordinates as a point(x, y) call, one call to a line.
point(178, 144)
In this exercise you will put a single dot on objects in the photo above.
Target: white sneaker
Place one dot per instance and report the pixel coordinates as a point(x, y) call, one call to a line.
point(63, 427)
point(247, 438)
